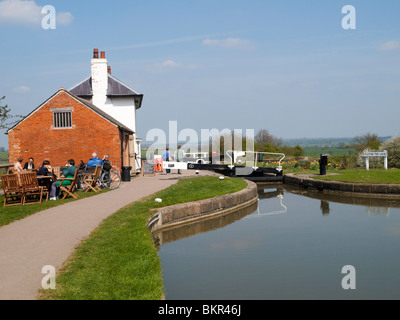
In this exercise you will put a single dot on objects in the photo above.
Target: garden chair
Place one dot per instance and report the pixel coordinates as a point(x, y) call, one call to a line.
point(32, 192)
point(90, 179)
point(13, 193)
point(70, 189)
point(56, 171)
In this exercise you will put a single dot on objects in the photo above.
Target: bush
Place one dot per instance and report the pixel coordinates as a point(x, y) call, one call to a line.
point(303, 164)
point(374, 162)
point(392, 146)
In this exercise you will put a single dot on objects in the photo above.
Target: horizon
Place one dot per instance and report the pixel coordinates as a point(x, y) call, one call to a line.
point(291, 68)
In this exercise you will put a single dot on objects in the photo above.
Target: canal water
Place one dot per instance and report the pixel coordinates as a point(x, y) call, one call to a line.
point(293, 244)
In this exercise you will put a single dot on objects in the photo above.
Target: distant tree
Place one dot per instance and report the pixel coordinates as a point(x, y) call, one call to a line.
point(264, 137)
point(367, 141)
point(6, 117)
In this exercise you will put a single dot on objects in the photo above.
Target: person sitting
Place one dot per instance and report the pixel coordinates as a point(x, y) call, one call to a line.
point(94, 161)
point(29, 165)
point(69, 173)
point(18, 165)
point(44, 171)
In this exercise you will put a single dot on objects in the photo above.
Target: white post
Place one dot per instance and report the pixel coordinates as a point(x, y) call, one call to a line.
point(386, 162)
point(367, 163)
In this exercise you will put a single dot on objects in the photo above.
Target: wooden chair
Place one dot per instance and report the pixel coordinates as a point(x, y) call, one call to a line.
point(32, 192)
point(13, 193)
point(56, 171)
point(69, 190)
point(90, 179)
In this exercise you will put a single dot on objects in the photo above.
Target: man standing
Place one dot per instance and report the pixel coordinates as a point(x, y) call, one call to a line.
point(167, 157)
point(179, 154)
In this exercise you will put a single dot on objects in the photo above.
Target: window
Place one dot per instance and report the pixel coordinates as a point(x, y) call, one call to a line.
point(62, 118)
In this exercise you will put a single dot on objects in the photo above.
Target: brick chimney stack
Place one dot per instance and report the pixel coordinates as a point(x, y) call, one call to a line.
point(99, 78)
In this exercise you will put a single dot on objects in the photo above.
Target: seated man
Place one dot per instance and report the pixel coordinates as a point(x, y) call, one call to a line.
point(95, 161)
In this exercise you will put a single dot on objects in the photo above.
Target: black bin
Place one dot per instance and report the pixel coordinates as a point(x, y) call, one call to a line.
point(323, 163)
point(126, 174)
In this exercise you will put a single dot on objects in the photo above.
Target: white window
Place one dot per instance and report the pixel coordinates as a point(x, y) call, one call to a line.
point(62, 118)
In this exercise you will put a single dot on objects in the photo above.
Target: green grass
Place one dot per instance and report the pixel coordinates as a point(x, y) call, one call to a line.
point(119, 260)
point(315, 152)
point(377, 176)
point(3, 157)
point(14, 213)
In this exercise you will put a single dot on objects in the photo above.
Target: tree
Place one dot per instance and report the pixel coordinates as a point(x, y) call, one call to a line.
point(392, 146)
point(367, 141)
point(5, 117)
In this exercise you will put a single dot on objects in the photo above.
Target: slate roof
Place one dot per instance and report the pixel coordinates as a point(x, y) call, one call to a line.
point(116, 88)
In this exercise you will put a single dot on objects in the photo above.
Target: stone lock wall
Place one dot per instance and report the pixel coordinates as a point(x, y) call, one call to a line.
point(199, 210)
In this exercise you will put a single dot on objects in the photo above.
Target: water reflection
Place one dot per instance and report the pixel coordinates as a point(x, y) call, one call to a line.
point(189, 230)
point(373, 205)
point(292, 245)
point(272, 191)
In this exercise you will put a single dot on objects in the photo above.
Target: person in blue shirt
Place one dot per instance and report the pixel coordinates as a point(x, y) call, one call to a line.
point(94, 161)
point(166, 157)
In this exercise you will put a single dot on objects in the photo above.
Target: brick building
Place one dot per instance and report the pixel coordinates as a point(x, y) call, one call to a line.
point(68, 127)
point(97, 115)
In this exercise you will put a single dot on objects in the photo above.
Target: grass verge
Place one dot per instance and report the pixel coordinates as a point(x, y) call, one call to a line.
point(119, 260)
point(14, 213)
point(391, 176)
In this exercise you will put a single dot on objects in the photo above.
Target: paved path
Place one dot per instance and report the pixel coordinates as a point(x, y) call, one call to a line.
point(49, 237)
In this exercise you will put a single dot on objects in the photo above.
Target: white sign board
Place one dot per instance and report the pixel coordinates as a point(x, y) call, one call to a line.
point(382, 154)
point(375, 154)
point(175, 165)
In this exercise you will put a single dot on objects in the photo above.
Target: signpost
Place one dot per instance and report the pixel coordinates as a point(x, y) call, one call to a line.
point(148, 167)
point(382, 154)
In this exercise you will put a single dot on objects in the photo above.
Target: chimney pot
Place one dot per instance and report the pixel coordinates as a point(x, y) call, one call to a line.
point(109, 70)
point(103, 55)
point(96, 53)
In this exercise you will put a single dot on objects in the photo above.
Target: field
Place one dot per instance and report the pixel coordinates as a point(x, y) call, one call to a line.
point(315, 152)
point(3, 157)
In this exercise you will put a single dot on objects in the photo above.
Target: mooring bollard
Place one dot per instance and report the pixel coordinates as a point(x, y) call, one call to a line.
point(323, 162)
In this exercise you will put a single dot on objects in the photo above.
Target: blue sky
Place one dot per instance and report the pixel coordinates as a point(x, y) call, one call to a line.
point(286, 66)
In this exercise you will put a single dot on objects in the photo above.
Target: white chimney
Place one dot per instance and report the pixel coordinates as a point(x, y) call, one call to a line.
point(99, 78)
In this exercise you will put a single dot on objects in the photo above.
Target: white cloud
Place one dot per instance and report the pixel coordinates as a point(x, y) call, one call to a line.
point(390, 45)
point(168, 64)
point(27, 12)
point(234, 43)
point(22, 90)
point(64, 18)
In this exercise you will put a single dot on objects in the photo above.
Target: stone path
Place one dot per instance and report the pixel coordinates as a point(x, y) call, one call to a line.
point(50, 237)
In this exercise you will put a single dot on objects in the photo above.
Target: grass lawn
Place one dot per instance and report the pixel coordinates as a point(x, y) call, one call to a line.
point(13, 213)
point(391, 176)
point(119, 260)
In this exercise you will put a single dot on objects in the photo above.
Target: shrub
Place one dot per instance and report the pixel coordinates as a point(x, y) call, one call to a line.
point(392, 146)
point(303, 164)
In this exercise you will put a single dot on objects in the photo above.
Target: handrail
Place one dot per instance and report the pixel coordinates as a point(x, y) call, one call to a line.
point(10, 165)
point(256, 156)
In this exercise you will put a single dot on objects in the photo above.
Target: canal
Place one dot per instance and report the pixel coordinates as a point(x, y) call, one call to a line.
point(293, 244)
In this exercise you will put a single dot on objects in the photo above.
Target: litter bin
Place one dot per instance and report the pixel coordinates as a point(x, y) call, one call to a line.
point(126, 174)
point(323, 163)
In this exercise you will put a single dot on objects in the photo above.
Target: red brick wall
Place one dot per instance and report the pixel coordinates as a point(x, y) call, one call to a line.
point(35, 136)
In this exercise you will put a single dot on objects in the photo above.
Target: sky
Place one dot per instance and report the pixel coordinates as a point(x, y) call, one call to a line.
point(291, 67)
